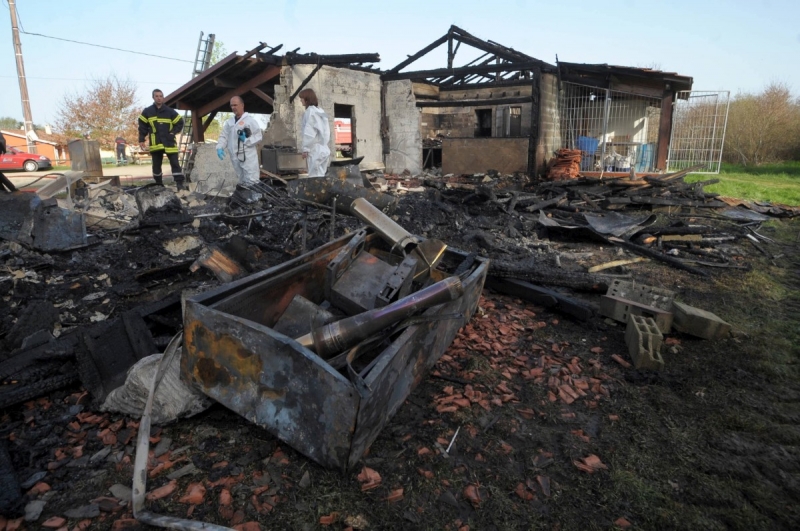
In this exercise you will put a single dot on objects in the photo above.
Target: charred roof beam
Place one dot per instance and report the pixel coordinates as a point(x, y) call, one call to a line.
point(271, 51)
point(446, 72)
point(292, 58)
point(475, 102)
point(256, 81)
point(411, 58)
point(491, 47)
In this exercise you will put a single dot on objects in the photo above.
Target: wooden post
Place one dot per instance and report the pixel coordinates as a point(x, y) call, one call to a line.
point(664, 128)
point(197, 127)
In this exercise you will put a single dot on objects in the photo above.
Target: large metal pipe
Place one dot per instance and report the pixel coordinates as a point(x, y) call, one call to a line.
point(383, 225)
point(323, 189)
point(428, 252)
point(336, 337)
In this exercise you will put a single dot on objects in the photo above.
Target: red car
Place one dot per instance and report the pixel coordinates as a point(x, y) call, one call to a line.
point(14, 159)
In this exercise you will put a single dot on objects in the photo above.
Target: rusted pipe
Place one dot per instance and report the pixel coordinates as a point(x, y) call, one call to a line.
point(336, 337)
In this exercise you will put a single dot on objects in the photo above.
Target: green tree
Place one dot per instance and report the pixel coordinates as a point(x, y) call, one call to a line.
point(218, 53)
point(107, 108)
point(8, 123)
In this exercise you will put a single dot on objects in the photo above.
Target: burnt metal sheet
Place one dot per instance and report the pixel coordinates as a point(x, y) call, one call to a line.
point(58, 229)
point(358, 287)
point(232, 354)
point(272, 381)
point(40, 224)
point(618, 224)
point(15, 215)
point(401, 367)
point(301, 316)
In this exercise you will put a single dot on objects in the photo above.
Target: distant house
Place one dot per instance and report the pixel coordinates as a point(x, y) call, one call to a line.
point(46, 145)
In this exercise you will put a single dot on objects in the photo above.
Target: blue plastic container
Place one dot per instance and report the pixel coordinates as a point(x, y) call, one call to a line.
point(644, 158)
point(588, 144)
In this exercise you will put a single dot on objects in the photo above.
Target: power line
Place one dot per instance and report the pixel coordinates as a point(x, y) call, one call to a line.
point(86, 79)
point(107, 47)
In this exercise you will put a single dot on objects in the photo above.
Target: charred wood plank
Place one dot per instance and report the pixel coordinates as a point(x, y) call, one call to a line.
point(411, 58)
point(11, 493)
point(292, 58)
point(19, 394)
point(545, 204)
point(656, 255)
point(541, 296)
point(537, 274)
point(474, 103)
point(663, 201)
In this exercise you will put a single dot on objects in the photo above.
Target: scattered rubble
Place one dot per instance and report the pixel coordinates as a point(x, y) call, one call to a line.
point(78, 315)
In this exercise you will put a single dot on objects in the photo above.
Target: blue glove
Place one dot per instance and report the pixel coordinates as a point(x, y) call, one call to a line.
point(242, 137)
point(221, 153)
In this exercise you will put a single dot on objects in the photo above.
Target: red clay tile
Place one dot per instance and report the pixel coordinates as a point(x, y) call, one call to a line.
point(54, 522)
point(195, 494)
point(162, 492)
point(472, 495)
point(328, 519)
point(395, 496)
point(523, 492)
point(621, 361)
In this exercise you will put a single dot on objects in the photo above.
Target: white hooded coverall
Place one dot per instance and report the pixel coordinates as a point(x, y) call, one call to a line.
point(243, 156)
point(316, 137)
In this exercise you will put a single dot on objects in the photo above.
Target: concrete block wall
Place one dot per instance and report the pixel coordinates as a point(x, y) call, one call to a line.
point(362, 90)
point(405, 135)
point(549, 119)
point(213, 176)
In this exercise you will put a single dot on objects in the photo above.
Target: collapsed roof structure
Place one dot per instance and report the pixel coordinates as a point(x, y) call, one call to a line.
point(502, 109)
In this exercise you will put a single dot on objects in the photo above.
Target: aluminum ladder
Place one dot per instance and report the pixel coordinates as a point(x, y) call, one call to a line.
point(202, 60)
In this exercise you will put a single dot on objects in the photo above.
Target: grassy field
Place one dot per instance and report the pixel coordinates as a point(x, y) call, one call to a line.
point(776, 183)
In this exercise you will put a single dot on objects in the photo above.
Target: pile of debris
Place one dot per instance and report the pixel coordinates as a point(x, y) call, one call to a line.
point(86, 309)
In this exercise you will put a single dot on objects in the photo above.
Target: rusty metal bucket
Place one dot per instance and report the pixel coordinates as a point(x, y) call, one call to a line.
point(233, 354)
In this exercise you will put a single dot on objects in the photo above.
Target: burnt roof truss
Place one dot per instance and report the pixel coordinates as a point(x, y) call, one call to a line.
point(497, 64)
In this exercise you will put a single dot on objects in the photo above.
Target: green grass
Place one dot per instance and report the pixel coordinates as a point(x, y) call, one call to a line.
point(775, 183)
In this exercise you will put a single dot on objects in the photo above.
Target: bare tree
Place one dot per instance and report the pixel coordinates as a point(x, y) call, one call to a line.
point(106, 109)
point(763, 127)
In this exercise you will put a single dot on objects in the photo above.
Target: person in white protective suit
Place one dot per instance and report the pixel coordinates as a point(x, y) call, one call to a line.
point(240, 136)
point(316, 132)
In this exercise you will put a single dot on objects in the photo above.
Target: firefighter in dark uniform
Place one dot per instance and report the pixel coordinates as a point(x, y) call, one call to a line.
point(161, 124)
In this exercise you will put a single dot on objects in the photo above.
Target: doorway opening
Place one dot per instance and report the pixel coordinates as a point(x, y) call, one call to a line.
point(484, 123)
point(344, 130)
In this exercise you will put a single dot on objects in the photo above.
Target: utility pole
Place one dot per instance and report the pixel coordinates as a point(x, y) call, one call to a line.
point(23, 84)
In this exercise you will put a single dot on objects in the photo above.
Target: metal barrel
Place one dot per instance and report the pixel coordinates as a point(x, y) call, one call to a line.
point(383, 225)
point(336, 337)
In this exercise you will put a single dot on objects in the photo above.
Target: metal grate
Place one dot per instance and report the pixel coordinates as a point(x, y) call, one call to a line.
point(698, 130)
point(614, 130)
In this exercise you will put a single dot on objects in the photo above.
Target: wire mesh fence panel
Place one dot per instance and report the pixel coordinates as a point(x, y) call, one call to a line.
point(614, 130)
point(698, 130)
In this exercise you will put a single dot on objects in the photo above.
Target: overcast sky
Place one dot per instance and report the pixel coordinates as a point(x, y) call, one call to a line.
point(736, 45)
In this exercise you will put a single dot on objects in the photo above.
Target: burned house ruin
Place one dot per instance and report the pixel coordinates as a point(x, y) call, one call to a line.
point(503, 110)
